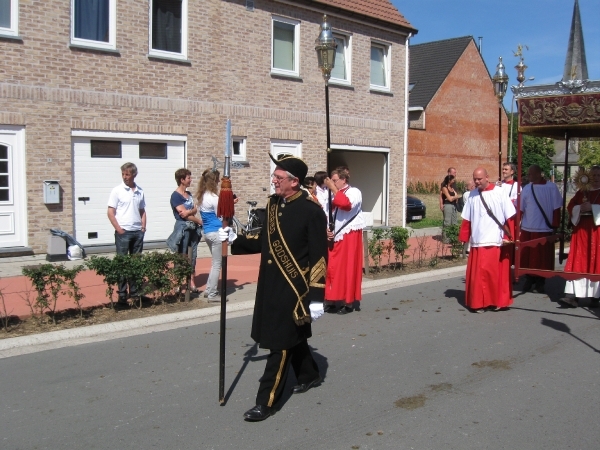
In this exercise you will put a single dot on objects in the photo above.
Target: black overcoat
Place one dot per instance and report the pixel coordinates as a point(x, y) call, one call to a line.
point(303, 228)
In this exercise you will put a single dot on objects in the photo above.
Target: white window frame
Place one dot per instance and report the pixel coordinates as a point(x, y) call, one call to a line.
point(13, 29)
point(296, 24)
point(242, 155)
point(387, 58)
point(112, 30)
point(347, 38)
point(183, 56)
point(279, 146)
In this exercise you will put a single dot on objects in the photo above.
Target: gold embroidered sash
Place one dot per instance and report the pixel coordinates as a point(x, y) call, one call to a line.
point(286, 262)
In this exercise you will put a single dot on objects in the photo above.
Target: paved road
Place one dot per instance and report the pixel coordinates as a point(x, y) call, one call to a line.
point(414, 369)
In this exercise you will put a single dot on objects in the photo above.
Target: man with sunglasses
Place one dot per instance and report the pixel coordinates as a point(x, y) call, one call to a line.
point(291, 281)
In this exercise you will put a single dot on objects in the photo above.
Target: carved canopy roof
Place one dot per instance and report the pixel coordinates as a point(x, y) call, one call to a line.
point(571, 107)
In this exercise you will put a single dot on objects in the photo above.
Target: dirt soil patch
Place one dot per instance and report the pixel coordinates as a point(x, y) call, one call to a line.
point(104, 314)
point(393, 270)
point(97, 315)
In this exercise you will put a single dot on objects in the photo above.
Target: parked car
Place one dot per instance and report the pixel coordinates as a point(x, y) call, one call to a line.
point(415, 209)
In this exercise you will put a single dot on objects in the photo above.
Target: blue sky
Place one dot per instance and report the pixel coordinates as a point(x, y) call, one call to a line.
point(542, 25)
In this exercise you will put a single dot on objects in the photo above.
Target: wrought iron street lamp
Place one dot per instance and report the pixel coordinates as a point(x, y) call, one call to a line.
point(500, 80)
point(326, 46)
point(521, 67)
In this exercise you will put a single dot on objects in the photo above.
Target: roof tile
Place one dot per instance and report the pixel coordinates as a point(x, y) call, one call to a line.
point(377, 9)
point(429, 65)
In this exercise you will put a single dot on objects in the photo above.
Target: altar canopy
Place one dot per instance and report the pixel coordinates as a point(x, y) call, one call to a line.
point(559, 111)
point(566, 110)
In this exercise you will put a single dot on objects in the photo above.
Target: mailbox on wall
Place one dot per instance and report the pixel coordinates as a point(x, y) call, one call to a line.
point(51, 192)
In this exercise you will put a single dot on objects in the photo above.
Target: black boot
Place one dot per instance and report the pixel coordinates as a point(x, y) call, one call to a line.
point(258, 413)
point(540, 285)
point(528, 283)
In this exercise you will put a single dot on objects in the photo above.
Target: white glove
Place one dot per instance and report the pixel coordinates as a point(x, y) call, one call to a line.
point(227, 234)
point(316, 310)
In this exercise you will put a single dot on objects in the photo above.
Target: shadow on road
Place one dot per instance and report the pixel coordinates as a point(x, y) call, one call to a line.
point(457, 294)
point(250, 355)
point(559, 326)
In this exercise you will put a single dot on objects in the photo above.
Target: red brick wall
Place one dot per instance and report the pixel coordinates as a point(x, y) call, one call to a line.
point(461, 126)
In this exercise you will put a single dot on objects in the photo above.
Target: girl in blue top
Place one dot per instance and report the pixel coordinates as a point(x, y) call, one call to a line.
point(208, 201)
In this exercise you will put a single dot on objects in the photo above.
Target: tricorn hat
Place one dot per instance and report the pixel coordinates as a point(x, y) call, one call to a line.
point(291, 164)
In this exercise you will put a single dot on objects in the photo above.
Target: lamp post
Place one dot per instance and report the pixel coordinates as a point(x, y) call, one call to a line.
point(521, 67)
point(500, 80)
point(325, 46)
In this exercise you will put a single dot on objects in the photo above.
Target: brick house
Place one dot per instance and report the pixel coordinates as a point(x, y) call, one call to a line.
point(87, 85)
point(453, 112)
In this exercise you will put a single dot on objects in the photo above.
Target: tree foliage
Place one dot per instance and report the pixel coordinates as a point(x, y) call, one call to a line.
point(536, 150)
point(589, 153)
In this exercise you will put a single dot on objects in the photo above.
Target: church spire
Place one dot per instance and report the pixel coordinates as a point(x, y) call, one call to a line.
point(575, 64)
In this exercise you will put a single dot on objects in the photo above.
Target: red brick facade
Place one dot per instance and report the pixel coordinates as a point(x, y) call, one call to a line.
point(51, 88)
point(461, 126)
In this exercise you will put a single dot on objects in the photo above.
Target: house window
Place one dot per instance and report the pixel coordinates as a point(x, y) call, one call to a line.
point(4, 174)
point(380, 67)
point(285, 52)
point(105, 149)
point(168, 28)
point(341, 71)
point(153, 150)
point(93, 23)
point(9, 17)
point(239, 149)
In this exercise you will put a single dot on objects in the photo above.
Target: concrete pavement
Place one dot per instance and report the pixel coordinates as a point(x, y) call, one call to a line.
point(412, 370)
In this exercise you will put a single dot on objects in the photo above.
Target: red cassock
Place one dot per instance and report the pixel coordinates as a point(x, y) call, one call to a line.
point(585, 241)
point(345, 264)
point(488, 281)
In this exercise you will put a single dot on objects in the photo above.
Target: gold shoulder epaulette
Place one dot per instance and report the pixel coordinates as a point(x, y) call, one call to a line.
point(312, 199)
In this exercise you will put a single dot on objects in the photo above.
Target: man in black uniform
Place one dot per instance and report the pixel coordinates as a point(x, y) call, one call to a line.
point(291, 282)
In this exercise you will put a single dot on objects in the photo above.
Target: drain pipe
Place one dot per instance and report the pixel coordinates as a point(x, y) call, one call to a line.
point(405, 155)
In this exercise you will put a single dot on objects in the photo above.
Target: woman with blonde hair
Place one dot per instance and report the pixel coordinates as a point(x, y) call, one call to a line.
point(208, 202)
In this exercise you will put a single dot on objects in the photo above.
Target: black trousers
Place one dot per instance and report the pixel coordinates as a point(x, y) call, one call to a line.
point(273, 380)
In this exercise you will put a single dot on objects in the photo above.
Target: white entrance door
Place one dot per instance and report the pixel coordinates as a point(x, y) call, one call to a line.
point(13, 221)
point(97, 164)
point(281, 147)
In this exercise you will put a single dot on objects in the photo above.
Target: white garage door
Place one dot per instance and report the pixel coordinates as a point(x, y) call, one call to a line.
point(97, 161)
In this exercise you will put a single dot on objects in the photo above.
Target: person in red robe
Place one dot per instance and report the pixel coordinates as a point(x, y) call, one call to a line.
point(345, 264)
point(584, 213)
point(484, 226)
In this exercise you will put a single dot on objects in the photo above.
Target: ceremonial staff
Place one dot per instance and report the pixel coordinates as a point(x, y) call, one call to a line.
point(225, 210)
point(325, 46)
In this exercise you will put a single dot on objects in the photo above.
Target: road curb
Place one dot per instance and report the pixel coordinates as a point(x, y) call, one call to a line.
point(115, 330)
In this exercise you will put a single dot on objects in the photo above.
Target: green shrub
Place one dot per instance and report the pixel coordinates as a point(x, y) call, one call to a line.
point(376, 247)
point(50, 281)
point(153, 272)
point(399, 238)
point(450, 233)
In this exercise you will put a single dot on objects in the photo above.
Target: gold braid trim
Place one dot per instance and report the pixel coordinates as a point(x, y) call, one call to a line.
point(277, 378)
point(317, 274)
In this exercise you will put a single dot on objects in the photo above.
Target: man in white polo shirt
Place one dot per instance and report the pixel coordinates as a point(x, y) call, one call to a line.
point(127, 214)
